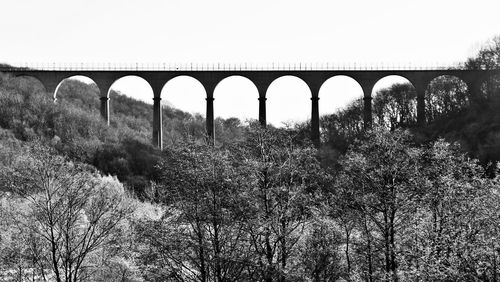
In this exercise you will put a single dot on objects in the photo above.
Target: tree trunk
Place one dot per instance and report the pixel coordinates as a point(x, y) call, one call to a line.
point(201, 254)
point(494, 274)
point(269, 257)
point(387, 245)
point(369, 251)
point(217, 252)
point(392, 234)
point(283, 250)
point(348, 259)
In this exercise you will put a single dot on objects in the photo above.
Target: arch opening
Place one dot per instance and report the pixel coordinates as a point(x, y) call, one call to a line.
point(236, 102)
point(184, 109)
point(394, 103)
point(341, 110)
point(445, 95)
point(288, 101)
point(132, 86)
point(130, 99)
point(81, 91)
point(337, 93)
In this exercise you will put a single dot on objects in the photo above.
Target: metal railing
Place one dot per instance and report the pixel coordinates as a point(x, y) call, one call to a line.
point(45, 66)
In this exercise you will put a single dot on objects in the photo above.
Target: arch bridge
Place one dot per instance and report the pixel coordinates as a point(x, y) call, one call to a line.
point(262, 79)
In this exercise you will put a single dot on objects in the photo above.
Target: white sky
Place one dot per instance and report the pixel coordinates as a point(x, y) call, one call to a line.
point(256, 31)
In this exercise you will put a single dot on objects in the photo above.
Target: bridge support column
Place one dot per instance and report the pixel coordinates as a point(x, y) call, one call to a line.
point(105, 109)
point(262, 111)
point(210, 120)
point(367, 112)
point(315, 121)
point(157, 123)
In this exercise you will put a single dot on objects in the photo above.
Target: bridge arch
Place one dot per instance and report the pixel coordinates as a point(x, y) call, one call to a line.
point(340, 98)
point(236, 101)
point(338, 92)
point(288, 99)
point(182, 94)
point(233, 75)
point(445, 94)
point(189, 87)
point(127, 81)
point(131, 86)
point(394, 102)
point(243, 104)
point(33, 82)
point(184, 78)
point(90, 89)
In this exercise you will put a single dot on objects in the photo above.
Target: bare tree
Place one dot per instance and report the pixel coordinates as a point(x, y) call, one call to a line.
point(71, 209)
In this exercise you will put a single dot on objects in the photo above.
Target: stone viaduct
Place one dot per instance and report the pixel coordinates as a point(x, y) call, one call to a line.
point(262, 79)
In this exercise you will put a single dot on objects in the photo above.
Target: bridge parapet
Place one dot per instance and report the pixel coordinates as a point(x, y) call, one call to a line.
point(273, 66)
